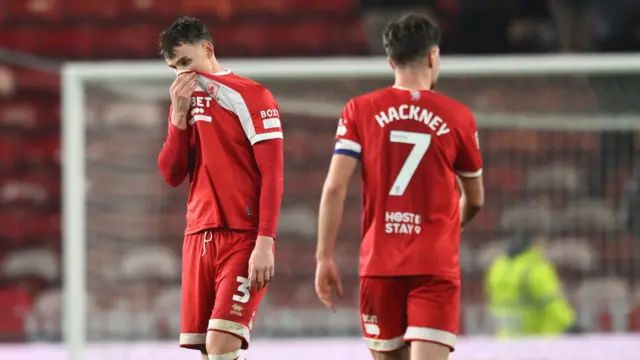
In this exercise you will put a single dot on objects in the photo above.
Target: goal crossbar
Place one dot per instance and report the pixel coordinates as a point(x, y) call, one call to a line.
point(520, 121)
point(373, 67)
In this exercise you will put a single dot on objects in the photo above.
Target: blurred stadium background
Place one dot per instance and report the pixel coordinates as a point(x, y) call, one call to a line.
point(560, 153)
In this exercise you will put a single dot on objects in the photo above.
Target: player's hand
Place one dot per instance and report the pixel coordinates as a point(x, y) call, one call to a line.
point(181, 90)
point(261, 263)
point(328, 279)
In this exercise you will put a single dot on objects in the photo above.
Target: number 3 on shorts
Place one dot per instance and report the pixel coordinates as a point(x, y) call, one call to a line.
point(420, 144)
point(243, 288)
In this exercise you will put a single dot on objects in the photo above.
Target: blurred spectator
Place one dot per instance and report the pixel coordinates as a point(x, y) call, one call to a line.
point(530, 26)
point(575, 23)
point(524, 292)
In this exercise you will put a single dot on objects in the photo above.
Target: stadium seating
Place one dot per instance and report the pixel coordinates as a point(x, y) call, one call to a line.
point(104, 29)
point(150, 262)
point(31, 263)
point(16, 303)
point(572, 253)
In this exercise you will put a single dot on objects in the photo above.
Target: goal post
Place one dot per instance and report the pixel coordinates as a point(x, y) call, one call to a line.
point(316, 88)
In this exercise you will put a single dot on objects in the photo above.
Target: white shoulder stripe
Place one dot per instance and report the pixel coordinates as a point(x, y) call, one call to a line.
point(266, 136)
point(233, 101)
point(469, 174)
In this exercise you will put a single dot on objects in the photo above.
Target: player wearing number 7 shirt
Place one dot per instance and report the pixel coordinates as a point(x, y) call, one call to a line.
point(225, 136)
point(413, 145)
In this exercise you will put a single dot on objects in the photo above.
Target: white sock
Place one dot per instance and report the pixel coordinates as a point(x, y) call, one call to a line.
point(228, 356)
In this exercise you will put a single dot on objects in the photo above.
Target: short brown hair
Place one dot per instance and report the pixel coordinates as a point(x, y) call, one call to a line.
point(410, 38)
point(185, 30)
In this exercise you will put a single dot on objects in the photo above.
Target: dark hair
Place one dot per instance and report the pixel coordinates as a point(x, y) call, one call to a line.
point(410, 38)
point(185, 30)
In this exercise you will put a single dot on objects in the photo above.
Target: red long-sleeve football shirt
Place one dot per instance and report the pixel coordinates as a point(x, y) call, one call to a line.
point(232, 151)
point(411, 145)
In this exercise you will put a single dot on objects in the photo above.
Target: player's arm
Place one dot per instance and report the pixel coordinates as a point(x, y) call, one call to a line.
point(334, 193)
point(472, 199)
point(263, 128)
point(259, 117)
point(343, 164)
point(173, 161)
point(468, 167)
point(270, 159)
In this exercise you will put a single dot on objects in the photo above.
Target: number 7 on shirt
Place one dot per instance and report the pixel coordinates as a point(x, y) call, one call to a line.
point(420, 142)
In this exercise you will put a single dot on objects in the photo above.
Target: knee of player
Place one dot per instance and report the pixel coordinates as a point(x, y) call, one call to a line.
point(228, 356)
point(397, 354)
point(223, 344)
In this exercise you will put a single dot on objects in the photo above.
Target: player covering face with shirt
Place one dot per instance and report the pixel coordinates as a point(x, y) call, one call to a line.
point(225, 136)
point(413, 145)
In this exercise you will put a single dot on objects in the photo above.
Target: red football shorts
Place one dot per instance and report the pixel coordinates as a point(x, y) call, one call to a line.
point(215, 286)
point(398, 310)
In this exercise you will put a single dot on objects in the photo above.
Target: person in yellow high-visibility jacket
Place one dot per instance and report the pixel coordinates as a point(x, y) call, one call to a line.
point(524, 293)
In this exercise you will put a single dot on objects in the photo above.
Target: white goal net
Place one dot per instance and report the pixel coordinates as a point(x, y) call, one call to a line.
point(559, 136)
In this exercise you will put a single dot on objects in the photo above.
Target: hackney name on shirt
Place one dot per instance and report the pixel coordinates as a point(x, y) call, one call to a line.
point(397, 222)
point(413, 113)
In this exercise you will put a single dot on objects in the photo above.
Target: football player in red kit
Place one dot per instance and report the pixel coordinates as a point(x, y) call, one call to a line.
point(413, 145)
point(225, 136)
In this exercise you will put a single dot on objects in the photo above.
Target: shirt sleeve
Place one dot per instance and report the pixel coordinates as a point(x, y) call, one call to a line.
point(173, 160)
point(269, 158)
point(259, 115)
point(468, 161)
point(264, 123)
point(347, 138)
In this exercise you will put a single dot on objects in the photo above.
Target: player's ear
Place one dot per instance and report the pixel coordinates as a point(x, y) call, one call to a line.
point(393, 67)
point(208, 47)
point(433, 57)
